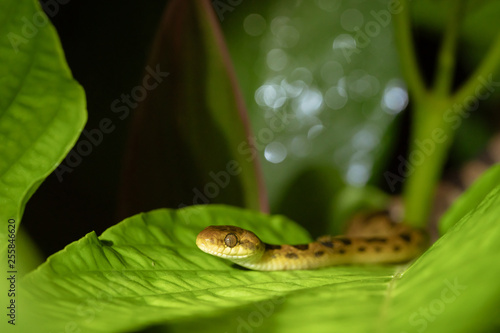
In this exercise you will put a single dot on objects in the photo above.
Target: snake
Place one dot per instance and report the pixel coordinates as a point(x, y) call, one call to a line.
point(371, 238)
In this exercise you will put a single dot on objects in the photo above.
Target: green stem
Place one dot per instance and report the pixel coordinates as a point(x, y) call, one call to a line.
point(431, 139)
point(431, 134)
point(487, 67)
point(434, 111)
point(406, 49)
point(446, 57)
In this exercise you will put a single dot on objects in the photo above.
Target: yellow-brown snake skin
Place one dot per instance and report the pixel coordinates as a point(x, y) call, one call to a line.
point(371, 239)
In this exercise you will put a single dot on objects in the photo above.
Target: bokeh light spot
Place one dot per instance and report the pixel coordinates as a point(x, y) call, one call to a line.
point(275, 152)
point(344, 41)
point(254, 25)
point(336, 97)
point(395, 97)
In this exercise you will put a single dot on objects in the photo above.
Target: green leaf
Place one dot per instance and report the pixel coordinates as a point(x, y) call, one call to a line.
point(474, 195)
point(190, 137)
point(42, 109)
point(147, 271)
point(453, 287)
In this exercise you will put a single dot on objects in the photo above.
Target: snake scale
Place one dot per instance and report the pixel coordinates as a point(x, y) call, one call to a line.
point(371, 238)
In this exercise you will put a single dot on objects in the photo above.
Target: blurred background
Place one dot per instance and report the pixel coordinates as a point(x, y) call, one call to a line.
point(348, 105)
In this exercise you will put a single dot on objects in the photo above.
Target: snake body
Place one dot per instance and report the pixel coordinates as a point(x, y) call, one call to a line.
point(371, 239)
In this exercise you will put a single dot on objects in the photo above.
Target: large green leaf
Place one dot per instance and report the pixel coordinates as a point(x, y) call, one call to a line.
point(190, 140)
point(453, 287)
point(42, 111)
point(148, 271)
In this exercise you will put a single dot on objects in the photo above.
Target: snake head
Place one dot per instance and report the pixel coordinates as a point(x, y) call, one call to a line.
point(230, 242)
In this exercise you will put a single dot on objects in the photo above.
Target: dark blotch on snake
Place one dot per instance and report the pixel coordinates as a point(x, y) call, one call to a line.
point(319, 253)
point(341, 251)
point(327, 244)
point(406, 237)
point(361, 249)
point(301, 247)
point(396, 248)
point(273, 247)
point(291, 256)
point(376, 239)
point(346, 241)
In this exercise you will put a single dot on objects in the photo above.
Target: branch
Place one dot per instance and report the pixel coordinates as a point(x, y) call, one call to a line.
point(487, 67)
point(446, 58)
point(406, 49)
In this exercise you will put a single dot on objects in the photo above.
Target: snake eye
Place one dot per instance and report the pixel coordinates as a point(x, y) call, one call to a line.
point(231, 240)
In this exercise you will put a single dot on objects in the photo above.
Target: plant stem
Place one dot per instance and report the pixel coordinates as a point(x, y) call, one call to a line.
point(487, 67)
point(407, 55)
point(431, 134)
point(434, 117)
point(431, 139)
point(446, 57)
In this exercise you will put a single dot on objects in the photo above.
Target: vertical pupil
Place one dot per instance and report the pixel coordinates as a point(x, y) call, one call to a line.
point(231, 240)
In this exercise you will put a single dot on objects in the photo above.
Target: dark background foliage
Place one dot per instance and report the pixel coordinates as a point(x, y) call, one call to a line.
point(107, 44)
